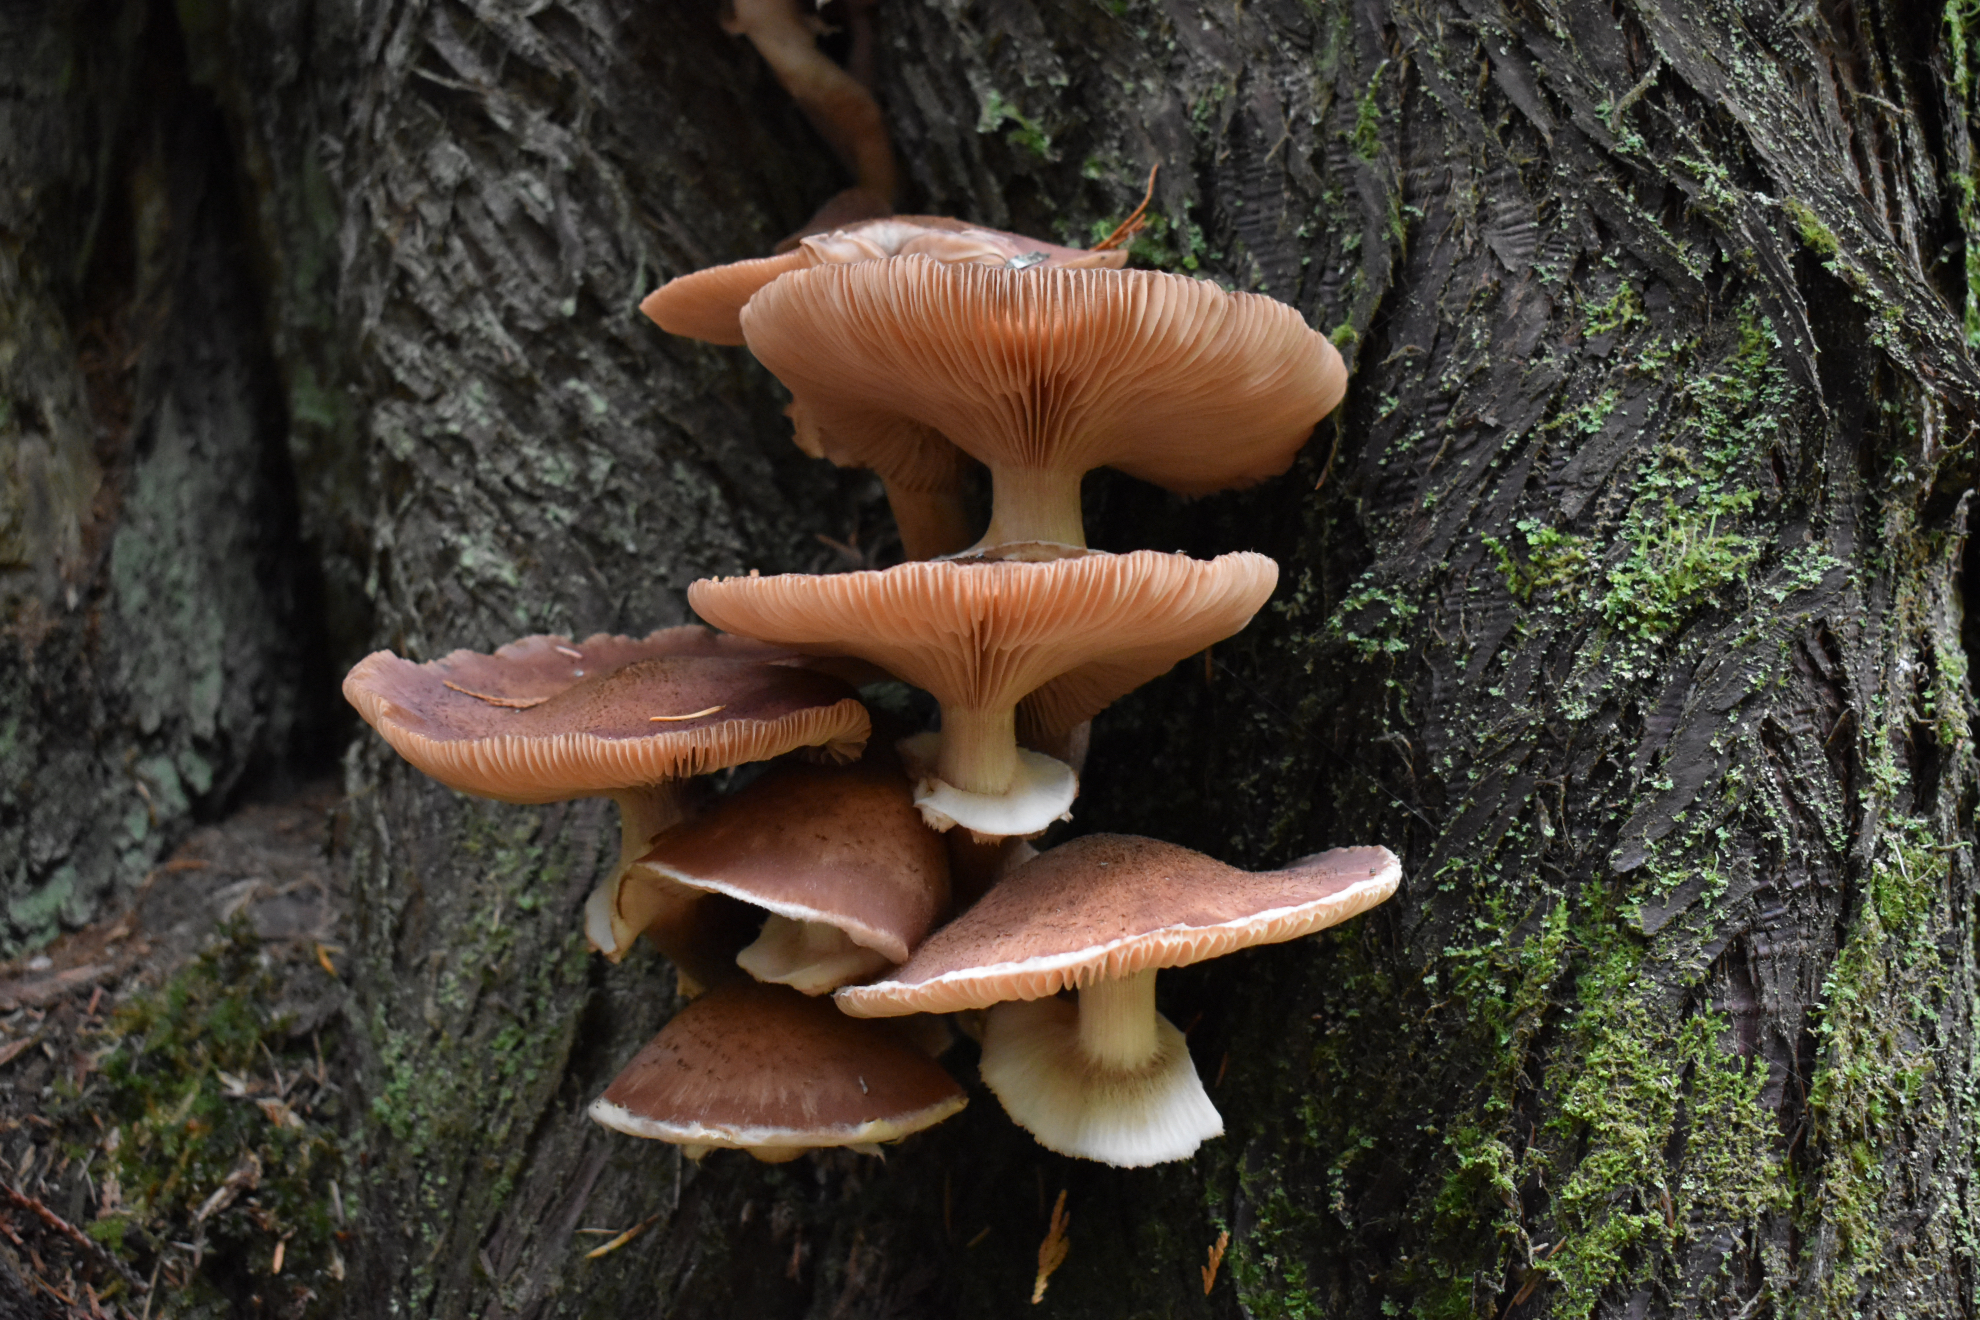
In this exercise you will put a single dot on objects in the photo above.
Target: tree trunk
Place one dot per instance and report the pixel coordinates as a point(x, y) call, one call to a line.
point(1621, 598)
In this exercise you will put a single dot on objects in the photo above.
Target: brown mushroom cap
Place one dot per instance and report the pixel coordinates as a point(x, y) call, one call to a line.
point(755, 1066)
point(1043, 375)
point(1109, 906)
point(461, 719)
point(843, 847)
point(707, 304)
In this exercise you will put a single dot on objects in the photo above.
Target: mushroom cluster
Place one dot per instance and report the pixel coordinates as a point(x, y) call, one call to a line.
point(876, 871)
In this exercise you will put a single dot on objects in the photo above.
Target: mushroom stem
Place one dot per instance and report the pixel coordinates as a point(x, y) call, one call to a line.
point(1033, 504)
point(611, 923)
point(932, 522)
point(811, 957)
point(1117, 1022)
point(979, 749)
point(644, 813)
point(844, 112)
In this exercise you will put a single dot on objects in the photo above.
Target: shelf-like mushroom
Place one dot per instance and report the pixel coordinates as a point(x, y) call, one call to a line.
point(707, 304)
point(765, 1069)
point(1043, 375)
point(546, 720)
point(981, 636)
point(1106, 1077)
point(838, 856)
point(922, 472)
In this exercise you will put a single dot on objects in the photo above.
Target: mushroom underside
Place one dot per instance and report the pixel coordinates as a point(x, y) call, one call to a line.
point(1106, 1078)
point(811, 957)
point(772, 1145)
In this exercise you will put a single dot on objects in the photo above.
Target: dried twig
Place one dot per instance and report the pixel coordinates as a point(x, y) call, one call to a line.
point(68, 1232)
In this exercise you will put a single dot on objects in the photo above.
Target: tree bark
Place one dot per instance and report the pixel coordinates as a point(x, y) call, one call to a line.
point(156, 633)
point(1621, 598)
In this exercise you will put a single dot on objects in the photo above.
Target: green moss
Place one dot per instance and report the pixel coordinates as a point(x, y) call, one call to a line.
point(188, 1100)
point(1553, 559)
point(1026, 133)
point(1367, 136)
point(1617, 312)
point(1684, 534)
point(1374, 619)
point(1819, 237)
point(1624, 1205)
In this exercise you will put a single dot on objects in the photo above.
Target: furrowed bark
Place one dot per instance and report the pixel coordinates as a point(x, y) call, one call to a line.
point(153, 635)
point(1622, 598)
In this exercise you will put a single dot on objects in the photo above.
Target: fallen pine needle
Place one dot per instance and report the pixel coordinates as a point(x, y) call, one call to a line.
point(1216, 1259)
point(1136, 222)
point(623, 1238)
point(662, 719)
point(507, 703)
point(1052, 1251)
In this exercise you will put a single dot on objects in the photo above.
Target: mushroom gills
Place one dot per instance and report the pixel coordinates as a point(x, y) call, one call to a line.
point(1106, 1078)
point(1041, 790)
point(809, 956)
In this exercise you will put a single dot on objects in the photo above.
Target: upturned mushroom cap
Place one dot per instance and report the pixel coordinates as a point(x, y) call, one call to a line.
point(763, 1068)
point(840, 848)
point(1043, 375)
point(500, 726)
point(982, 636)
point(1109, 906)
point(707, 304)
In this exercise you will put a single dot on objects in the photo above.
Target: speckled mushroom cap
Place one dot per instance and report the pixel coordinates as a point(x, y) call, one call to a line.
point(1054, 371)
point(543, 720)
point(751, 1066)
point(843, 847)
point(707, 304)
point(979, 634)
point(1107, 906)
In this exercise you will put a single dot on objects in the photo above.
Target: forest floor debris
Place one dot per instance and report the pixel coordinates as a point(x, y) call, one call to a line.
point(172, 1116)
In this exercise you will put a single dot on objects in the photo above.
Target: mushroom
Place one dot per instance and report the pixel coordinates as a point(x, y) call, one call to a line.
point(707, 304)
point(852, 879)
point(543, 720)
point(1043, 375)
point(922, 472)
point(981, 636)
point(765, 1069)
point(1106, 1077)
point(837, 104)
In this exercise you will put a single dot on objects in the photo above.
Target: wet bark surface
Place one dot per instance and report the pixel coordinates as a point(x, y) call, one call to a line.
point(1621, 597)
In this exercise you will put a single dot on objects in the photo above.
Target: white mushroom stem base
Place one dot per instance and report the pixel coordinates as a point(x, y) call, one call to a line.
point(1106, 1079)
point(1038, 791)
point(809, 956)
